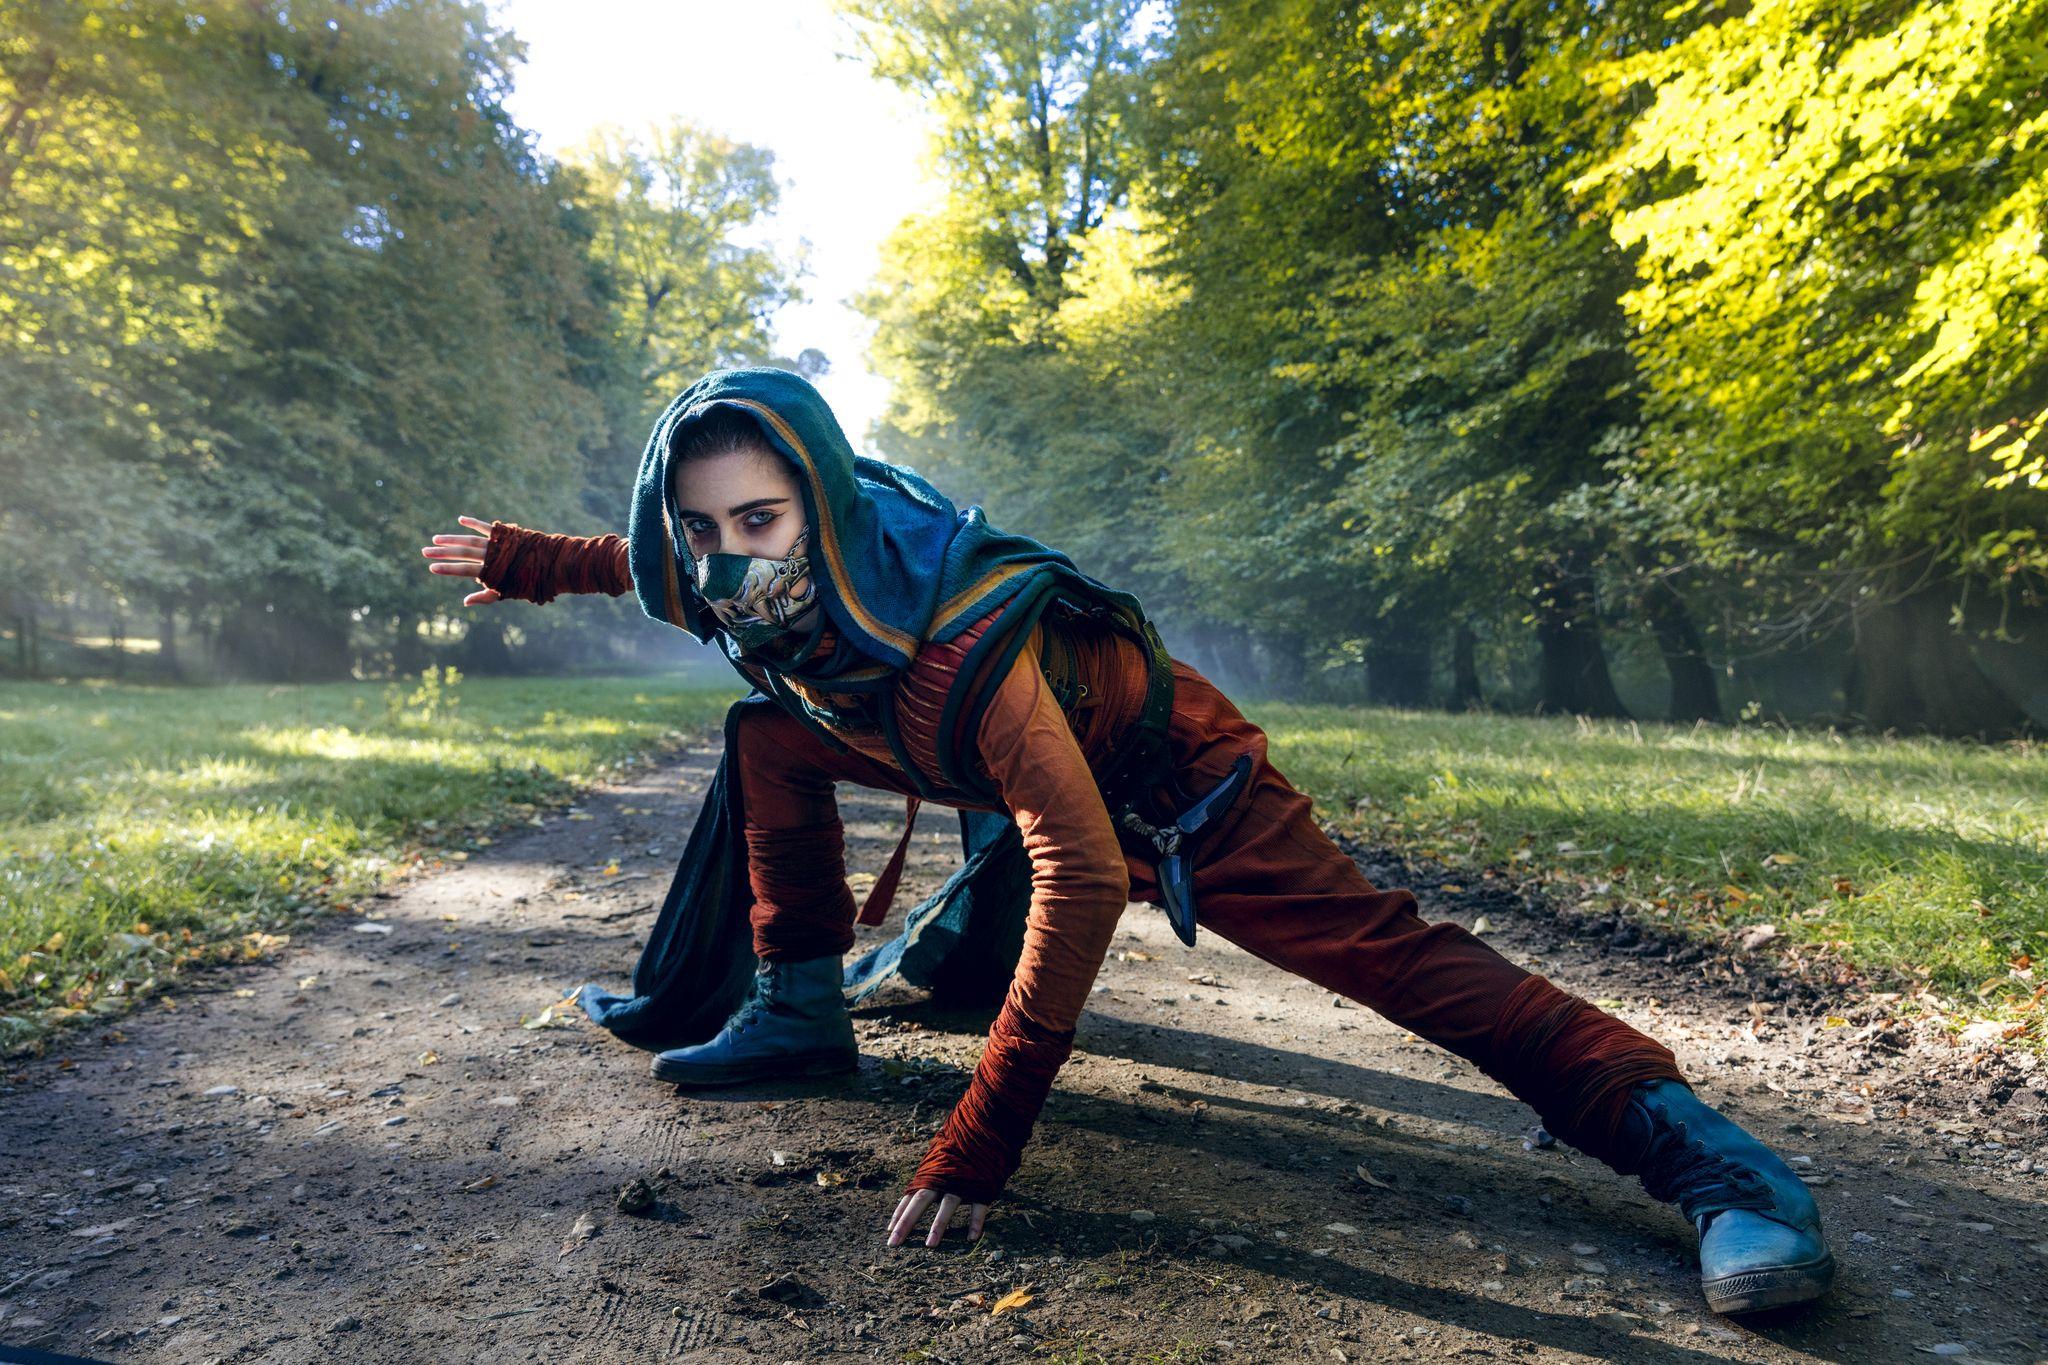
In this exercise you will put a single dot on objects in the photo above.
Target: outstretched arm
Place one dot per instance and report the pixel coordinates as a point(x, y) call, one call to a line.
point(1079, 887)
point(530, 566)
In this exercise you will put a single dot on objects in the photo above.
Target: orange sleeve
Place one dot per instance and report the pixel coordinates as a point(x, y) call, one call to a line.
point(1079, 884)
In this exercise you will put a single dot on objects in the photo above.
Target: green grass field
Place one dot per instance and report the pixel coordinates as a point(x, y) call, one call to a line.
point(1921, 864)
point(146, 829)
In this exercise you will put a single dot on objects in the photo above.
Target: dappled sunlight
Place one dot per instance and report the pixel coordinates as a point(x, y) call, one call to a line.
point(161, 827)
point(1923, 858)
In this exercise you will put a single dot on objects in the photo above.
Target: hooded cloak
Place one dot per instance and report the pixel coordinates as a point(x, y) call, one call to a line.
point(897, 565)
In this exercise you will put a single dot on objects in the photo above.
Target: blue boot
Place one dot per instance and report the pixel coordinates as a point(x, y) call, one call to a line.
point(1760, 1239)
point(792, 1023)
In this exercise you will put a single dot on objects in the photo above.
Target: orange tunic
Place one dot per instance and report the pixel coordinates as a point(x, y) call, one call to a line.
point(1027, 747)
point(1026, 744)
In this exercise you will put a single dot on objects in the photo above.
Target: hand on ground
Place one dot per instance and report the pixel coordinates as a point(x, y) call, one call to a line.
point(464, 557)
point(911, 1207)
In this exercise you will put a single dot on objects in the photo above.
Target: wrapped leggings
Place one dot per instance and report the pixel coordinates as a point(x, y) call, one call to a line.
point(1266, 878)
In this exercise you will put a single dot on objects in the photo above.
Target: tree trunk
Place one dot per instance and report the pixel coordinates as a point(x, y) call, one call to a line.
point(271, 642)
point(1280, 666)
point(1573, 673)
point(118, 633)
point(484, 650)
point(1695, 693)
point(1397, 664)
point(1465, 691)
point(1912, 670)
point(25, 640)
point(408, 651)
point(167, 639)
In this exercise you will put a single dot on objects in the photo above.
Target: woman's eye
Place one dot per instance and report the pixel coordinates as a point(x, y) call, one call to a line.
point(759, 519)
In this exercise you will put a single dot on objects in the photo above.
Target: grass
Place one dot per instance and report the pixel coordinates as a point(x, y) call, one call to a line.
point(1919, 865)
point(147, 829)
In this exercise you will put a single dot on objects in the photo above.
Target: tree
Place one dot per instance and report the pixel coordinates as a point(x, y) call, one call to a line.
point(1839, 212)
point(664, 209)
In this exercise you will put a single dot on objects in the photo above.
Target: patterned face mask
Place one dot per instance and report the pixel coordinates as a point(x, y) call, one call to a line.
point(756, 599)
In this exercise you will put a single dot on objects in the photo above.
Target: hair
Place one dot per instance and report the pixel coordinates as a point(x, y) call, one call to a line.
point(719, 432)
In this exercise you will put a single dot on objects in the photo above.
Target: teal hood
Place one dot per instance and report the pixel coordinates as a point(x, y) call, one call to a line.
point(897, 563)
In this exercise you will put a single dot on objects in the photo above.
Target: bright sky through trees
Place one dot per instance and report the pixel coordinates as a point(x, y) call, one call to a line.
point(847, 147)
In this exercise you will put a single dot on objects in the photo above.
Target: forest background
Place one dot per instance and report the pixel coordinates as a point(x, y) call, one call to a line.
point(1674, 360)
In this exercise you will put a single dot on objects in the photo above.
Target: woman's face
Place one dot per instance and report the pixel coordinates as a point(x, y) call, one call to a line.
point(743, 502)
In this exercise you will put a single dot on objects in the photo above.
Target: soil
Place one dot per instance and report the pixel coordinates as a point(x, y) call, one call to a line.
point(357, 1150)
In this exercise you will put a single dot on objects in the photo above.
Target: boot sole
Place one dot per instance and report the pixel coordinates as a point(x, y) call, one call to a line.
point(782, 1069)
point(1755, 1290)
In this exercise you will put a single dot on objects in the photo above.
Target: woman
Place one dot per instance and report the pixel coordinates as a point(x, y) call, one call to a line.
point(900, 644)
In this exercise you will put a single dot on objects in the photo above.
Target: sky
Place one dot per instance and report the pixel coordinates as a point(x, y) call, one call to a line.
point(848, 149)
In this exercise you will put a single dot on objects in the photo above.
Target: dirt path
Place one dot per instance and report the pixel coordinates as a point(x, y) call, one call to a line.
point(356, 1152)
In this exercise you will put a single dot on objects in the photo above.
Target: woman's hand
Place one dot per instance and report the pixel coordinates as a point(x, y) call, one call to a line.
point(911, 1207)
point(463, 556)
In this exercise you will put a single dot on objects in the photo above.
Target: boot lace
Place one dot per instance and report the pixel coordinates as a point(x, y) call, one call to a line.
point(751, 1007)
point(1679, 1167)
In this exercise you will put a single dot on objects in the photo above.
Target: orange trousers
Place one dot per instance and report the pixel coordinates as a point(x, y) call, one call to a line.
point(1269, 880)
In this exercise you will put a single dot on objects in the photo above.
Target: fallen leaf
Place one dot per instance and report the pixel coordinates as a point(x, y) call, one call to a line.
point(429, 1057)
point(1783, 860)
point(1016, 1298)
point(479, 1184)
point(1369, 1178)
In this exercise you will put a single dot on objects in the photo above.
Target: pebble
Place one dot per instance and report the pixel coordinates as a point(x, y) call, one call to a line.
point(394, 1120)
point(1142, 1215)
point(1343, 1229)
point(1458, 1204)
point(1584, 1249)
point(1862, 1237)
point(224, 1090)
point(635, 1196)
point(452, 998)
point(1902, 1293)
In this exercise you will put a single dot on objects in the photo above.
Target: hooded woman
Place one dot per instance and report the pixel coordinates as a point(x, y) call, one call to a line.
point(894, 641)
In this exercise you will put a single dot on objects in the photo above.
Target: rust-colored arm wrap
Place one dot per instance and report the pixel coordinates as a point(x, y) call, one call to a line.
point(978, 1150)
point(534, 566)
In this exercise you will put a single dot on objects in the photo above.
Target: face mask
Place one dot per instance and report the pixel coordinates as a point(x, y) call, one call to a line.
point(756, 599)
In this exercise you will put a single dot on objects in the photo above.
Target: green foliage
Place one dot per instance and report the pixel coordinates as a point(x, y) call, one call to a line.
point(283, 289)
point(1841, 279)
point(1509, 320)
point(663, 209)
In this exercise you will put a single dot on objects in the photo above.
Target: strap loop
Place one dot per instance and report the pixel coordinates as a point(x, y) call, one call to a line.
point(875, 908)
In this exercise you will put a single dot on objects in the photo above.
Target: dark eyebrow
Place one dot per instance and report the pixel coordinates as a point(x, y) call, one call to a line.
point(743, 508)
